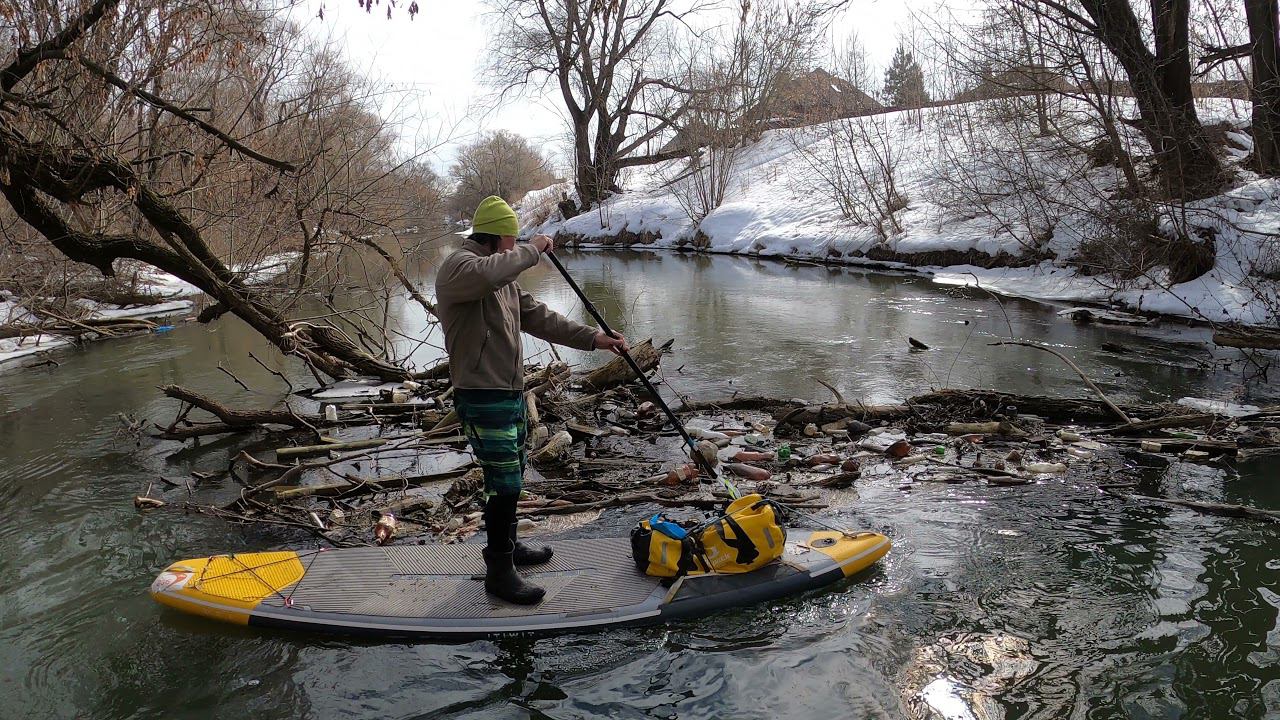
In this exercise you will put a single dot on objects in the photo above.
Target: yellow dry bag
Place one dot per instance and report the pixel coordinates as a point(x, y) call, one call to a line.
point(748, 535)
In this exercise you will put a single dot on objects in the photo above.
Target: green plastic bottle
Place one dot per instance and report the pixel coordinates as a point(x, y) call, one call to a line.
point(784, 452)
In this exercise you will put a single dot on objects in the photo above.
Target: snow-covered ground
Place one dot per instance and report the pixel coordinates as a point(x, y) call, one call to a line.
point(983, 188)
point(21, 351)
point(26, 350)
point(267, 269)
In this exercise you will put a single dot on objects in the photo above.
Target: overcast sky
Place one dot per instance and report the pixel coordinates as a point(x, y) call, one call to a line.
point(440, 54)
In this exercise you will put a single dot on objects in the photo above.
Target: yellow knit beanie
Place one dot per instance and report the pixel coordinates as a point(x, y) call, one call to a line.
point(495, 216)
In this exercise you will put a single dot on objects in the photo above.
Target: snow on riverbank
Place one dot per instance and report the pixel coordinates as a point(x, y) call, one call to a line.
point(21, 351)
point(781, 202)
point(26, 350)
point(256, 273)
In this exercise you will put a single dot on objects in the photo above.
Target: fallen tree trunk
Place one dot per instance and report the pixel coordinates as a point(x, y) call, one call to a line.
point(752, 402)
point(105, 327)
point(232, 420)
point(973, 405)
point(823, 414)
point(1247, 337)
point(302, 450)
point(1214, 508)
point(985, 403)
point(617, 372)
point(360, 485)
point(1175, 421)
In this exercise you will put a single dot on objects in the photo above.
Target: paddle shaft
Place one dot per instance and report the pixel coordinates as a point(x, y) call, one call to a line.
point(635, 367)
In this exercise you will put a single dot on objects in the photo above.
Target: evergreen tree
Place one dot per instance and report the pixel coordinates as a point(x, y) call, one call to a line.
point(904, 81)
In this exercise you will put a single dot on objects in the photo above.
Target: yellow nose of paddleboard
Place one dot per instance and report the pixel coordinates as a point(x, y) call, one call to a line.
point(852, 553)
point(226, 587)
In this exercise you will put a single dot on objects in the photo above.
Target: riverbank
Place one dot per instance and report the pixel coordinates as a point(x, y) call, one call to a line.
point(1039, 237)
point(33, 335)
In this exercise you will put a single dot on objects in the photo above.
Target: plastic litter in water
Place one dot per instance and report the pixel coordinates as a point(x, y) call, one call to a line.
point(162, 328)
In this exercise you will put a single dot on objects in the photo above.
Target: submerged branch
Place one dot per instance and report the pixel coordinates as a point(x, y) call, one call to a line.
point(1114, 408)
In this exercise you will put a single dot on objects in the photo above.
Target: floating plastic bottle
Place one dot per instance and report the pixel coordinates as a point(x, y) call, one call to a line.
point(681, 474)
point(750, 472)
point(384, 531)
point(718, 438)
point(1048, 468)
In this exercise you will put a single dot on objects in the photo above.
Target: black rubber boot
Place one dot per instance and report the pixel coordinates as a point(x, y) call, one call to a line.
point(502, 581)
point(501, 578)
point(500, 514)
point(525, 555)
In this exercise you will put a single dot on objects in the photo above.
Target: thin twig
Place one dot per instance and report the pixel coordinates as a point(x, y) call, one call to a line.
point(1106, 400)
point(233, 377)
point(277, 373)
point(978, 284)
point(839, 397)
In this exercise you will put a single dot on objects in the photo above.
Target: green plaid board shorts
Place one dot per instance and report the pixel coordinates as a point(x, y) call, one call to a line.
point(494, 423)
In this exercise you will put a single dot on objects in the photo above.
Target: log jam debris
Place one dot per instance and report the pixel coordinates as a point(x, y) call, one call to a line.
point(333, 467)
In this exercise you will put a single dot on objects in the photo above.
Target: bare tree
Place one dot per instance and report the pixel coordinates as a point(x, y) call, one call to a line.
point(609, 62)
point(1262, 18)
point(741, 80)
point(500, 163)
point(1264, 56)
point(854, 161)
point(1159, 80)
point(197, 138)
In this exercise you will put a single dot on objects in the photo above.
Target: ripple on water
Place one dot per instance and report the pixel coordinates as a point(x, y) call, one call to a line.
point(1271, 655)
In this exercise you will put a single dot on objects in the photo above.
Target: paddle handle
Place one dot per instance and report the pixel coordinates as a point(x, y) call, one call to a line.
point(635, 367)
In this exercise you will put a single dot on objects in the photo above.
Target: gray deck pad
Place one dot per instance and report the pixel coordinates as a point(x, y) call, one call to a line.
point(438, 590)
point(445, 582)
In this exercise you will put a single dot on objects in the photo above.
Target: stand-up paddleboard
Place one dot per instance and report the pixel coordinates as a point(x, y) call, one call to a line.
point(437, 591)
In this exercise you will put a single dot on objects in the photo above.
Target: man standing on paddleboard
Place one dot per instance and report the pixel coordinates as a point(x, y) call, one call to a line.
point(483, 311)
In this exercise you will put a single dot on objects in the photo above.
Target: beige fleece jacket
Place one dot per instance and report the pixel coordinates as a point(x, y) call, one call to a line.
point(483, 311)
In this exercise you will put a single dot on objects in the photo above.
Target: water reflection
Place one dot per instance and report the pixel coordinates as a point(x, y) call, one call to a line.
point(765, 327)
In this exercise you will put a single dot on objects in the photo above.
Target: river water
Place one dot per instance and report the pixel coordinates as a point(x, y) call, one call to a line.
point(1044, 601)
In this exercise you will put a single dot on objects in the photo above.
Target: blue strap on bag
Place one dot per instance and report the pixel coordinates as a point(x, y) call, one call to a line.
point(666, 527)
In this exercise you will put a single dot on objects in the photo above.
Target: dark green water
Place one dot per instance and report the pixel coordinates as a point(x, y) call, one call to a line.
point(1045, 601)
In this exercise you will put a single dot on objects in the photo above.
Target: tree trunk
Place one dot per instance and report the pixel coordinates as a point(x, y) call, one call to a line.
point(1161, 86)
point(586, 171)
point(617, 372)
point(1264, 88)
